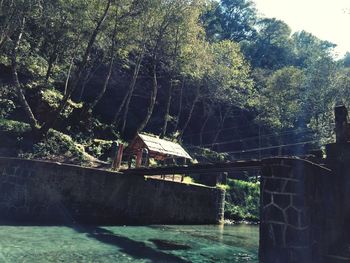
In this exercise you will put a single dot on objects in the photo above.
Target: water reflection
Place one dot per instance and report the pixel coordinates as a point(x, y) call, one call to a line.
point(129, 244)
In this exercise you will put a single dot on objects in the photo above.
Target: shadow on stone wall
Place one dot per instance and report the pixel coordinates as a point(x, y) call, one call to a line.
point(35, 191)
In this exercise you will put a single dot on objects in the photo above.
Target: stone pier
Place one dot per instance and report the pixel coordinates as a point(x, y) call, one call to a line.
point(294, 211)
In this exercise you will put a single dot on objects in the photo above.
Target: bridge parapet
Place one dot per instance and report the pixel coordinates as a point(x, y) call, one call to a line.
point(295, 211)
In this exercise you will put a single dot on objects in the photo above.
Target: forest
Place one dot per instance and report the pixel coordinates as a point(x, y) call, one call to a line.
point(213, 75)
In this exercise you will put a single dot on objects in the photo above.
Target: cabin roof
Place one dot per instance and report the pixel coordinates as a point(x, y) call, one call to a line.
point(165, 147)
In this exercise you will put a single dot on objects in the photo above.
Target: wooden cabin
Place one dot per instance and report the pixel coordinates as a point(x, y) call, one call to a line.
point(145, 146)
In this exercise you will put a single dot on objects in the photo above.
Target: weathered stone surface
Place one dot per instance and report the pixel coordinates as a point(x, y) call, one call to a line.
point(282, 200)
point(274, 184)
point(299, 208)
point(266, 198)
point(297, 238)
point(274, 214)
point(299, 201)
point(281, 171)
point(55, 193)
point(292, 216)
point(292, 187)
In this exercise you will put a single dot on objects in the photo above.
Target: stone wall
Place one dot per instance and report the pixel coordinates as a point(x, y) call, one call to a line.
point(297, 209)
point(34, 191)
point(338, 159)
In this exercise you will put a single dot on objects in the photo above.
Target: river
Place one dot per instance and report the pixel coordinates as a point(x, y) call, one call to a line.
point(234, 243)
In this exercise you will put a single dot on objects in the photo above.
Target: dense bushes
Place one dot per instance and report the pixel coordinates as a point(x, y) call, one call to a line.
point(242, 200)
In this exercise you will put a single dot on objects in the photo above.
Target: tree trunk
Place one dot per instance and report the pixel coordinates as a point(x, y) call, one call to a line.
point(28, 112)
point(189, 117)
point(177, 119)
point(153, 99)
point(120, 108)
point(88, 76)
point(110, 68)
point(167, 110)
point(50, 67)
point(128, 95)
point(104, 88)
point(50, 123)
point(7, 31)
point(208, 115)
point(68, 77)
point(221, 126)
point(3, 41)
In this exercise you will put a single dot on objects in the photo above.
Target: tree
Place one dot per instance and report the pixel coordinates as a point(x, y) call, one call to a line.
point(346, 60)
point(281, 100)
point(307, 47)
point(172, 19)
point(272, 47)
point(79, 71)
point(211, 20)
point(238, 18)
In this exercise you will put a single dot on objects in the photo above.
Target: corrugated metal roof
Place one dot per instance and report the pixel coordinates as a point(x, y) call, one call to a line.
point(163, 146)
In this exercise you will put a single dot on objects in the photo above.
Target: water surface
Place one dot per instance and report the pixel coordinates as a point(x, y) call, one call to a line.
point(129, 244)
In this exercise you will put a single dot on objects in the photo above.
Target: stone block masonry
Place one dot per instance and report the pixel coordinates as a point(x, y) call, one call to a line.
point(296, 208)
point(43, 192)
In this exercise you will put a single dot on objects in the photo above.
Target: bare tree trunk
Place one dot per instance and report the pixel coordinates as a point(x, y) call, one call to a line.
point(104, 88)
point(50, 67)
point(88, 76)
point(50, 123)
point(29, 114)
point(3, 41)
point(110, 68)
point(167, 109)
point(7, 31)
point(221, 126)
point(128, 95)
point(120, 108)
point(208, 115)
point(68, 76)
point(189, 117)
point(153, 99)
point(177, 119)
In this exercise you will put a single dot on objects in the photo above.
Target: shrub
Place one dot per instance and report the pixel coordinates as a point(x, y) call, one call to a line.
point(242, 200)
point(13, 126)
point(58, 147)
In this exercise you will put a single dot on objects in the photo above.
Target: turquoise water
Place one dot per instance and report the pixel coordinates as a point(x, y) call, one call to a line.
point(129, 244)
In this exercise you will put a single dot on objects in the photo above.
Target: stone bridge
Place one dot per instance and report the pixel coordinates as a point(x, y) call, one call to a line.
point(304, 208)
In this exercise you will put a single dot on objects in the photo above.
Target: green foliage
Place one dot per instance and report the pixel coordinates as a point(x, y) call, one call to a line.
point(230, 81)
point(237, 19)
point(242, 200)
point(219, 56)
point(53, 98)
point(99, 148)
point(14, 126)
point(6, 107)
point(208, 155)
point(56, 147)
point(7, 104)
point(281, 100)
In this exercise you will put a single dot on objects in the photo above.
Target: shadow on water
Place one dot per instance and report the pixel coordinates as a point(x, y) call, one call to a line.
point(131, 247)
point(136, 249)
